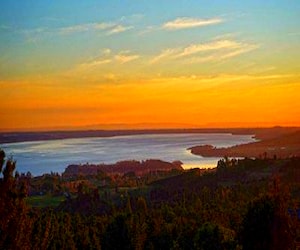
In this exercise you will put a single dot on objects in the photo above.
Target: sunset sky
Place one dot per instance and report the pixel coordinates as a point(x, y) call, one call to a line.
point(140, 63)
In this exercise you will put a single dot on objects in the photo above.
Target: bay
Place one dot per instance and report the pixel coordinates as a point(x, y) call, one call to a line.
point(41, 157)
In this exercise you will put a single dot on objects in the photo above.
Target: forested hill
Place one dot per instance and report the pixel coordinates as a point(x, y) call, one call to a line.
point(121, 168)
point(231, 173)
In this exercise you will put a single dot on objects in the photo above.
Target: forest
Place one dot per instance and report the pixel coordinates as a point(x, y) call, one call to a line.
point(241, 204)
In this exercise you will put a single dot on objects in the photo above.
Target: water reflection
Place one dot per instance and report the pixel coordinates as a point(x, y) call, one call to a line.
point(54, 155)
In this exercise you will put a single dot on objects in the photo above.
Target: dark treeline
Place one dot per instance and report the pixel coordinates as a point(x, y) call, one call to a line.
point(260, 133)
point(242, 204)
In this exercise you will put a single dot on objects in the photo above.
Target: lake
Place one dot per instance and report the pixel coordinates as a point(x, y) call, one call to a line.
point(41, 157)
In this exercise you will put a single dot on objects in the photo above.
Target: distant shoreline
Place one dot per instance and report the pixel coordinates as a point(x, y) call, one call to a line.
point(282, 145)
point(259, 133)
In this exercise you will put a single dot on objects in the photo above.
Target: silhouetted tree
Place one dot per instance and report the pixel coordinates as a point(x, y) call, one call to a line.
point(266, 225)
point(14, 224)
point(118, 235)
point(208, 237)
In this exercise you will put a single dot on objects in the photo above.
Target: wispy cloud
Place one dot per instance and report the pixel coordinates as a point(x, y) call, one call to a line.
point(216, 80)
point(107, 28)
point(167, 53)
point(110, 27)
point(221, 55)
point(106, 57)
point(242, 50)
point(103, 26)
point(202, 47)
point(105, 51)
point(95, 63)
point(196, 53)
point(36, 34)
point(132, 18)
point(75, 28)
point(125, 56)
point(187, 23)
point(148, 29)
point(118, 29)
point(182, 23)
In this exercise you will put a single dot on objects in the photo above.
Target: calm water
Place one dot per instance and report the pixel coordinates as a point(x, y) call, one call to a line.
point(55, 155)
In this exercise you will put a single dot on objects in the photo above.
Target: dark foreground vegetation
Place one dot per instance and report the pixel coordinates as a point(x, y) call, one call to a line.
point(242, 204)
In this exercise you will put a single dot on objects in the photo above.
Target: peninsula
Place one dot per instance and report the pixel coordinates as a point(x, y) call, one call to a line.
point(277, 145)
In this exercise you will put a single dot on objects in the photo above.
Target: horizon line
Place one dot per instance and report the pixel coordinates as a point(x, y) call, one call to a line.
point(132, 128)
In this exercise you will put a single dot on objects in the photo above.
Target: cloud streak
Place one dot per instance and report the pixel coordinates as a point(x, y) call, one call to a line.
point(165, 54)
point(124, 57)
point(118, 29)
point(204, 52)
point(107, 57)
point(202, 47)
point(187, 23)
point(95, 63)
point(109, 27)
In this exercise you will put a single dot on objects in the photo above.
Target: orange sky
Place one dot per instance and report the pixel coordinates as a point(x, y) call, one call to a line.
point(193, 69)
point(225, 100)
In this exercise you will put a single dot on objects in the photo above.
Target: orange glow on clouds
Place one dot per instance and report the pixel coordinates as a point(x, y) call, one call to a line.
point(100, 65)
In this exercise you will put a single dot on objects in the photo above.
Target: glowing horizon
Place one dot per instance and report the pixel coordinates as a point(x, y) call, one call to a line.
point(100, 64)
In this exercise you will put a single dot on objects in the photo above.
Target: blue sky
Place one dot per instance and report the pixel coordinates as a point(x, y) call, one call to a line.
point(86, 45)
point(32, 27)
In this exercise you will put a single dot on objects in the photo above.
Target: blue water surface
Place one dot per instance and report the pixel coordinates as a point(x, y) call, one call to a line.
point(41, 157)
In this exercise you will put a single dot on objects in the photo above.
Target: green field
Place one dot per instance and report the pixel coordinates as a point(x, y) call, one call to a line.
point(44, 200)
